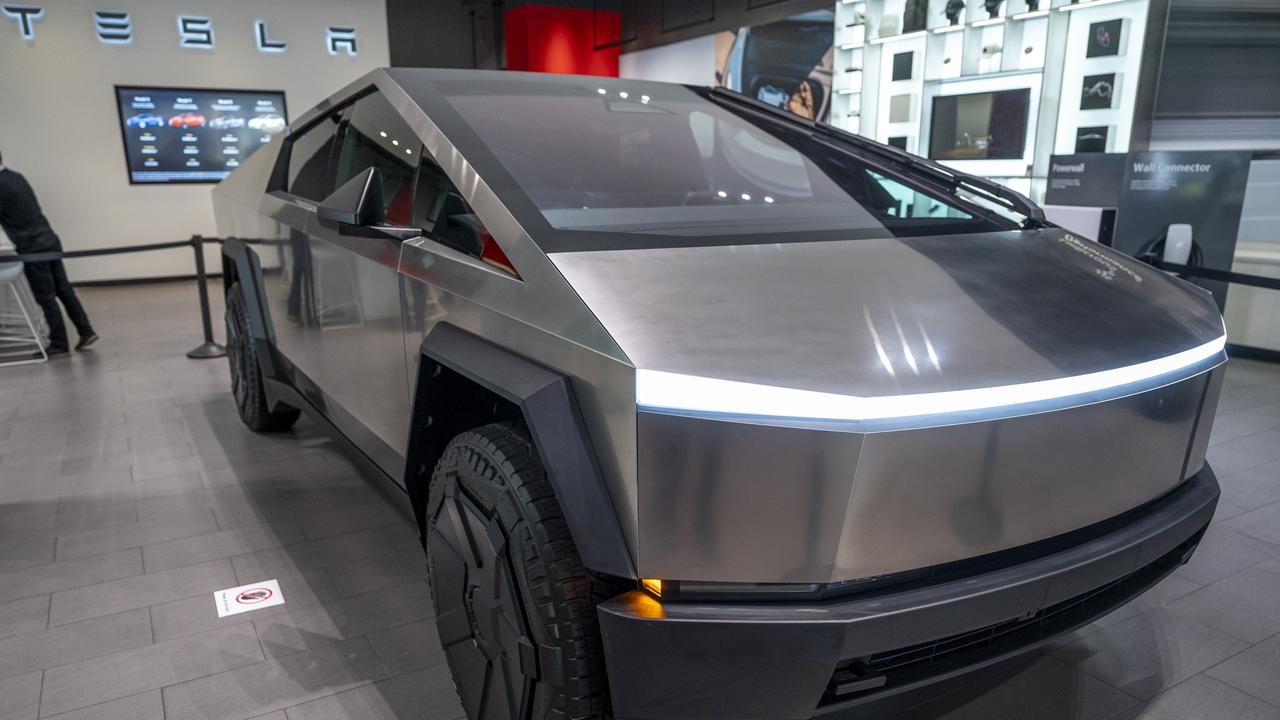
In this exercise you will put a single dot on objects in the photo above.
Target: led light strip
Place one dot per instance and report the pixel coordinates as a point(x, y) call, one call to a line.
point(664, 391)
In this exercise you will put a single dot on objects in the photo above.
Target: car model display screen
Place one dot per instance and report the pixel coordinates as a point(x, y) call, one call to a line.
point(981, 126)
point(174, 135)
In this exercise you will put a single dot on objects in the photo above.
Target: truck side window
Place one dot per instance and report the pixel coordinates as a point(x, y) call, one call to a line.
point(309, 152)
point(444, 215)
point(376, 136)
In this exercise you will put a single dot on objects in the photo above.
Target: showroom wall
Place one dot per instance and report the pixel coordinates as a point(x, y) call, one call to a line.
point(59, 122)
point(690, 61)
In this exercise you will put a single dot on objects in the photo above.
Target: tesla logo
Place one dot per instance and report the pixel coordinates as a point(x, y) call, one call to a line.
point(194, 31)
point(341, 38)
point(265, 43)
point(114, 28)
point(26, 17)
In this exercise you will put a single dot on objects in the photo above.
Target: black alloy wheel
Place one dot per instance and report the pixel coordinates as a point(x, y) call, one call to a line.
point(514, 606)
point(247, 386)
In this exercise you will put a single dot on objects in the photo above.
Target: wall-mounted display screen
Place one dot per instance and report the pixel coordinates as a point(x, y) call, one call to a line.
point(182, 135)
point(1104, 38)
point(1097, 91)
point(981, 126)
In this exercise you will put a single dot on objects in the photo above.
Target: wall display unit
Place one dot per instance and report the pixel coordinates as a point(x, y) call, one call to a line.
point(849, 70)
point(1104, 38)
point(980, 126)
point(1044, 53)
point(1096, 91)
point(902, 66)
point(1092, 139)
point(188, 135)
point(787, 64)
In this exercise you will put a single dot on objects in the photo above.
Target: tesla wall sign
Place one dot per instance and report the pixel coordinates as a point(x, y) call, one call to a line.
point(194, 31)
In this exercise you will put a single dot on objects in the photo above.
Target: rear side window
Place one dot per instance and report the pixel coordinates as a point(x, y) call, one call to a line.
point(309, 153)
point(376, 136)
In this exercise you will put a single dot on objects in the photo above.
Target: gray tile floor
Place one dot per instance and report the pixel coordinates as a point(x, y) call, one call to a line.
point(129, 492)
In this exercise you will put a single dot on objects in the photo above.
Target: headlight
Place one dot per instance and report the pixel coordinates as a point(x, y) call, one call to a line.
point(677, 590)
point(659, 391)
point(689, 591)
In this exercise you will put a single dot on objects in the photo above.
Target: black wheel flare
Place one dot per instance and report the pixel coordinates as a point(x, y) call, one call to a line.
point(479, 614)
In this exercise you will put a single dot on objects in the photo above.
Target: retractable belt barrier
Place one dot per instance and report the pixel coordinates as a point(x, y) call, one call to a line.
point(1261, 281)
point(206, 349)
point(211, 349)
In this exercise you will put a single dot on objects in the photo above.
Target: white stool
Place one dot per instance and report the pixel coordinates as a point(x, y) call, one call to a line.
point(18, 333)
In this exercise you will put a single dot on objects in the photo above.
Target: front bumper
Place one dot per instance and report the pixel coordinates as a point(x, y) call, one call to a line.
point(756, 660)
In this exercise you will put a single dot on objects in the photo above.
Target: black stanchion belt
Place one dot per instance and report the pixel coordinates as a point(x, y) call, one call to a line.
point(48, 256)
point(1222, 275)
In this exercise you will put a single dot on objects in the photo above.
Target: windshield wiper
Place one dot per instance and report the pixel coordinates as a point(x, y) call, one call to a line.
point(952, 180)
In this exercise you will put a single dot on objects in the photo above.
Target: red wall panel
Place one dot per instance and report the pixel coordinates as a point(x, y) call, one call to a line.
point(543, 38)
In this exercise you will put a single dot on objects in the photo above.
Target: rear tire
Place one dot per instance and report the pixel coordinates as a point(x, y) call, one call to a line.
point(514, 606)
point(247, 386)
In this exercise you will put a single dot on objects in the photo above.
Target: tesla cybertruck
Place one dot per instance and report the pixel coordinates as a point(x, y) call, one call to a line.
point(707, 411)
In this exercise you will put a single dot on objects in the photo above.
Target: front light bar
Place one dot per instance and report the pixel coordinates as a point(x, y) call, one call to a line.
point(660, 391)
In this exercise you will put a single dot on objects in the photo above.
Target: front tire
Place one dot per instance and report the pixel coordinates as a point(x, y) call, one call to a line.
point(514, 606)
point(247, 386)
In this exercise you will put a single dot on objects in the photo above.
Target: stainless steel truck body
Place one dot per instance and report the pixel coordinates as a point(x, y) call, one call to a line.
point(758, 418)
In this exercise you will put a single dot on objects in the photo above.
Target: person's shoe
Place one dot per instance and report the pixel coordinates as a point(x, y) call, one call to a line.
point(55, 352)
point(86, 341)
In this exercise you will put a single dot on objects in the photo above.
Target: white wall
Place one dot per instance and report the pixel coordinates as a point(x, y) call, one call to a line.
point(688, 61)
point(1126, 66)
point(59, 124)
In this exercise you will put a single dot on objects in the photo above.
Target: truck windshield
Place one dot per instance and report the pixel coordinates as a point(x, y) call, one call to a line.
point(632, 157)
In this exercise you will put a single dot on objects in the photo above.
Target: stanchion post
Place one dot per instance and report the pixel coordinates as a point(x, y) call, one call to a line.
point(209, 348)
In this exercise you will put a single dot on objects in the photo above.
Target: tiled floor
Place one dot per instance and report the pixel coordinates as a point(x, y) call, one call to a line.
point(129, 492)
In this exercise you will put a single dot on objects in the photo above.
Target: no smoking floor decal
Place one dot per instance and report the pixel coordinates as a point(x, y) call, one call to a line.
point(253, 596)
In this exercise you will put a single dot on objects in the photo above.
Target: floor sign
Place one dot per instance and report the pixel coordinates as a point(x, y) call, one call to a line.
point(253, 596)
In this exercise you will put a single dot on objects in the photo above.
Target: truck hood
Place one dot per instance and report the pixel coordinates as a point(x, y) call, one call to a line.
point(992, 319)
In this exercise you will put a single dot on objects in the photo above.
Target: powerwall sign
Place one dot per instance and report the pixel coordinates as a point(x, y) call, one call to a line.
point(112, 27)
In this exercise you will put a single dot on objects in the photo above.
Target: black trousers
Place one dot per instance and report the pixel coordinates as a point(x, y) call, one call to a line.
point(49, 284)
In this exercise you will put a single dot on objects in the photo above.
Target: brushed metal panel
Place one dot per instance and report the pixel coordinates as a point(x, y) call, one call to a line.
point(731, 501)
point(538, 316)
point(1204, 428)
point(925, 497)
point(891, 316)
point(724, 501)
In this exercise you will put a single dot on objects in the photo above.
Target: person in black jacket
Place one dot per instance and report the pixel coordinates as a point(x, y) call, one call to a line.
point(26, 226)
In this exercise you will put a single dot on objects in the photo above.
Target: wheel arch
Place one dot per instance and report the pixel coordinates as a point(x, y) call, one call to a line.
point(241, 264)
point(480, 382)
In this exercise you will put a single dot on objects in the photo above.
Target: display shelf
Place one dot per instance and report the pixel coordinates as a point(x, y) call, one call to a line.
point(1040, 45)
point(944, 55)
point(849, 64)
point(1027, 39)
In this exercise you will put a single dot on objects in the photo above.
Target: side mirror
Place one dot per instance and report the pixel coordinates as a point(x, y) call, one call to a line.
point(358, 202)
